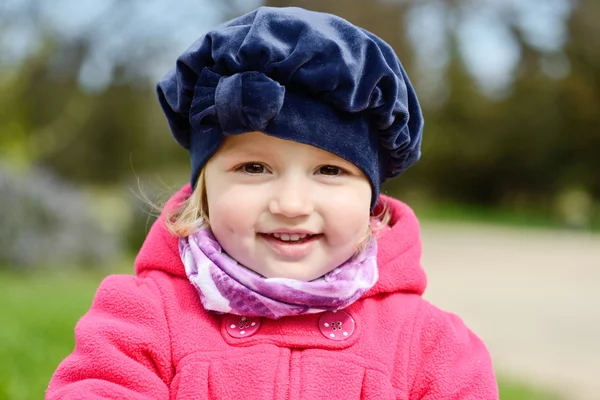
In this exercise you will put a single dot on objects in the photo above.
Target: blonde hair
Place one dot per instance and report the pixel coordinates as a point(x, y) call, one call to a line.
point(192, 216)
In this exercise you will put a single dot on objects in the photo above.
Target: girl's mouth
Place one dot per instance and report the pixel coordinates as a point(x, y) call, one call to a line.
point(291, 245)
point(291, 237)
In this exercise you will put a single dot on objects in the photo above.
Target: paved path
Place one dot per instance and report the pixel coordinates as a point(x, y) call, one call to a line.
point(533, 296)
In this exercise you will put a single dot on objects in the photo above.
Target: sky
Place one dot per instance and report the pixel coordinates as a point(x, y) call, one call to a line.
point(485, 42)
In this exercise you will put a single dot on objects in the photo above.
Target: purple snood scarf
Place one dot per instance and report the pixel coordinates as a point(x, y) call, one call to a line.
point(225, 286)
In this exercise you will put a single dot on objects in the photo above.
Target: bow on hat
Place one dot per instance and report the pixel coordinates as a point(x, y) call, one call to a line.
point(243, 102)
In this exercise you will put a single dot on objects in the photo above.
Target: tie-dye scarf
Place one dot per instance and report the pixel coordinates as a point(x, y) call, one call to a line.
point(225, 286)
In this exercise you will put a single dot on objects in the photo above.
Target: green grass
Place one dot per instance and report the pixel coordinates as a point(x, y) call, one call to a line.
point(38, 314)
point(516, 391)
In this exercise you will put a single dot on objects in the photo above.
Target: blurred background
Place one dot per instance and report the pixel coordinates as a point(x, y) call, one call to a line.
point(508, 188)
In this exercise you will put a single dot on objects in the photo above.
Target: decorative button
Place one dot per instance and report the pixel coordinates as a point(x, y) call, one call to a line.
point(336, 325)
point(239, 327)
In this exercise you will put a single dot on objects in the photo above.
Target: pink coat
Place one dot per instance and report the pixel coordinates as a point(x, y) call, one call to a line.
point(148, 337)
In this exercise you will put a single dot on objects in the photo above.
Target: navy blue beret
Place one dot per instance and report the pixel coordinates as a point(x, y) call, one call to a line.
point(299, 75)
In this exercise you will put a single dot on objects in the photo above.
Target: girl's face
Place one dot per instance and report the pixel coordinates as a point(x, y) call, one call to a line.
point(285, 209)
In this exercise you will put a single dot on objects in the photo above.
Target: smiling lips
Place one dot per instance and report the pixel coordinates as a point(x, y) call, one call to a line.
point(291, 245)
point(287, 237)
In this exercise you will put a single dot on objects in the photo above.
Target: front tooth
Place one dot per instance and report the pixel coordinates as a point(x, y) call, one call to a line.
point(285, 237)
point(294, 237)
point(303, 236)
point(276, 235)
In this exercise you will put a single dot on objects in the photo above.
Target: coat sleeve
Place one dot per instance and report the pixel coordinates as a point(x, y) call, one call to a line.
point(122, 346)
point(449, 361)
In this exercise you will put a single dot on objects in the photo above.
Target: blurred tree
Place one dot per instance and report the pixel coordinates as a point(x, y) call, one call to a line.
point(579, 100)
point(95, 131)
point(87, 137)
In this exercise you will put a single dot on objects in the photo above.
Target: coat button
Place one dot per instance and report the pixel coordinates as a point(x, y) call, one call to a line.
point(239, 327)
point(336, 325)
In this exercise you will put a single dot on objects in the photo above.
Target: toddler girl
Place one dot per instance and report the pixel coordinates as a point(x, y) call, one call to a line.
point(280, 272)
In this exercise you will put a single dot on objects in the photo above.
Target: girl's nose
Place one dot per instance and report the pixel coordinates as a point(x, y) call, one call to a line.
point(291, 199)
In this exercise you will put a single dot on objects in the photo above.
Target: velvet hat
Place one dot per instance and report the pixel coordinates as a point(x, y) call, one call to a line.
point(298, 75)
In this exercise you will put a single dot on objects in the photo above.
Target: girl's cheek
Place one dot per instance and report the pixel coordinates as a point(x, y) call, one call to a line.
point(236, 202)
point(352, 203)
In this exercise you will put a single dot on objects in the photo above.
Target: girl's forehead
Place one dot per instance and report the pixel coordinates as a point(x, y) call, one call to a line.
point(260, 143)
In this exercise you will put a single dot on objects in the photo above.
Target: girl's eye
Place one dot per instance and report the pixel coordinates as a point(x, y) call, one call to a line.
point(330, 170)
point(253, 168)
